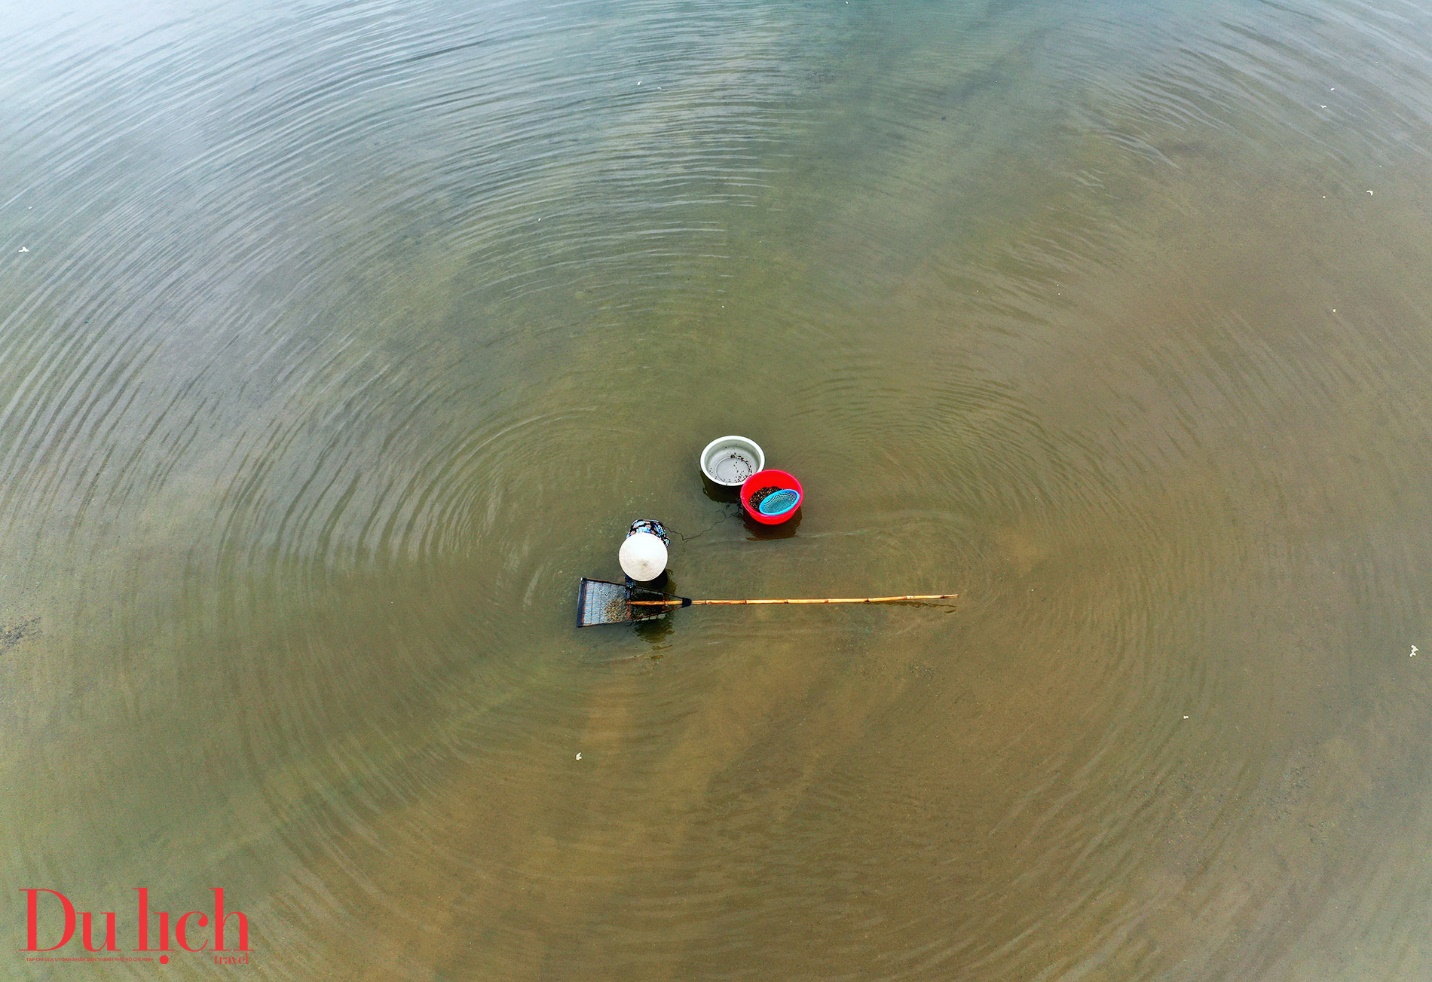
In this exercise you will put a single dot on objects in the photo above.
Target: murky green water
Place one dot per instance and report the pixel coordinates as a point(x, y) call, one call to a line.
point(338, 340)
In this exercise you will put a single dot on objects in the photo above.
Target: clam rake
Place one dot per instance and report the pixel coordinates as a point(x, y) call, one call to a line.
point(604, 602)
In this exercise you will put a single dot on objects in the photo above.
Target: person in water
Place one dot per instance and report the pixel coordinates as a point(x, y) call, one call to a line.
point(644, 554)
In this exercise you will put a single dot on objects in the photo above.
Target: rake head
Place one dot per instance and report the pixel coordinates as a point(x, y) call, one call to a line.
point(604, 602)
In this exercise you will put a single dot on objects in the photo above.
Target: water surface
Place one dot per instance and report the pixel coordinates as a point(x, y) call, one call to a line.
point(337, 340)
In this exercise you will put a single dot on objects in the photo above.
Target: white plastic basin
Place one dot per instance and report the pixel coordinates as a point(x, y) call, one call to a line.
point(729, 460)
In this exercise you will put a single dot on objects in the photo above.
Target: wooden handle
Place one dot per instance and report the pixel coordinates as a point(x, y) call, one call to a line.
point(838, 600)
point(828, 600)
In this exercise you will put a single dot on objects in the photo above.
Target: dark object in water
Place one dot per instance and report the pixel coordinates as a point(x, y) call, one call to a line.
point(13, 634)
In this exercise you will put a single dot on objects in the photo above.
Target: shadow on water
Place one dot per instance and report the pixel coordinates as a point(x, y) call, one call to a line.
point(725, 494)
point(785, 530)
point(655, 629)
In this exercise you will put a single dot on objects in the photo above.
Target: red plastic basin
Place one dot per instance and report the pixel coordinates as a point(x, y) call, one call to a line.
point(770, 479)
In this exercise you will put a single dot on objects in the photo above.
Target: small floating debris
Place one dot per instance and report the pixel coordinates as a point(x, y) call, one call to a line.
point(13, 634)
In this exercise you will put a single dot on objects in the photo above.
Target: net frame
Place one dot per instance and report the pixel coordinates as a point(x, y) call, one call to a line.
point(605, 602)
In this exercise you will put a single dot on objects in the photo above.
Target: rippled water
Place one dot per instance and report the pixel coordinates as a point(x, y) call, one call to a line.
point(337, 340)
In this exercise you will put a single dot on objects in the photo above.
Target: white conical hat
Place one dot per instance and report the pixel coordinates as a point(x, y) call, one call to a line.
point(643, 556)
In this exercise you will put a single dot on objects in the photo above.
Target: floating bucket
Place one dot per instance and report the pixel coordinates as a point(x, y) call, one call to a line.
point(730, 460)
point(773, 483)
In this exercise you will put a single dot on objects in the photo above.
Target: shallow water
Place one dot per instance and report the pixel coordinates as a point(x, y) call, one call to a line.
point(347, 336)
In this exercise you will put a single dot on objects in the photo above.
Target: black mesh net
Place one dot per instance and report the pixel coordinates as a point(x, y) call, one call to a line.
point(604, 602)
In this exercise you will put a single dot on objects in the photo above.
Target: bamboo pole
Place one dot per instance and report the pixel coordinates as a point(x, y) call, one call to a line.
point(679, 601)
